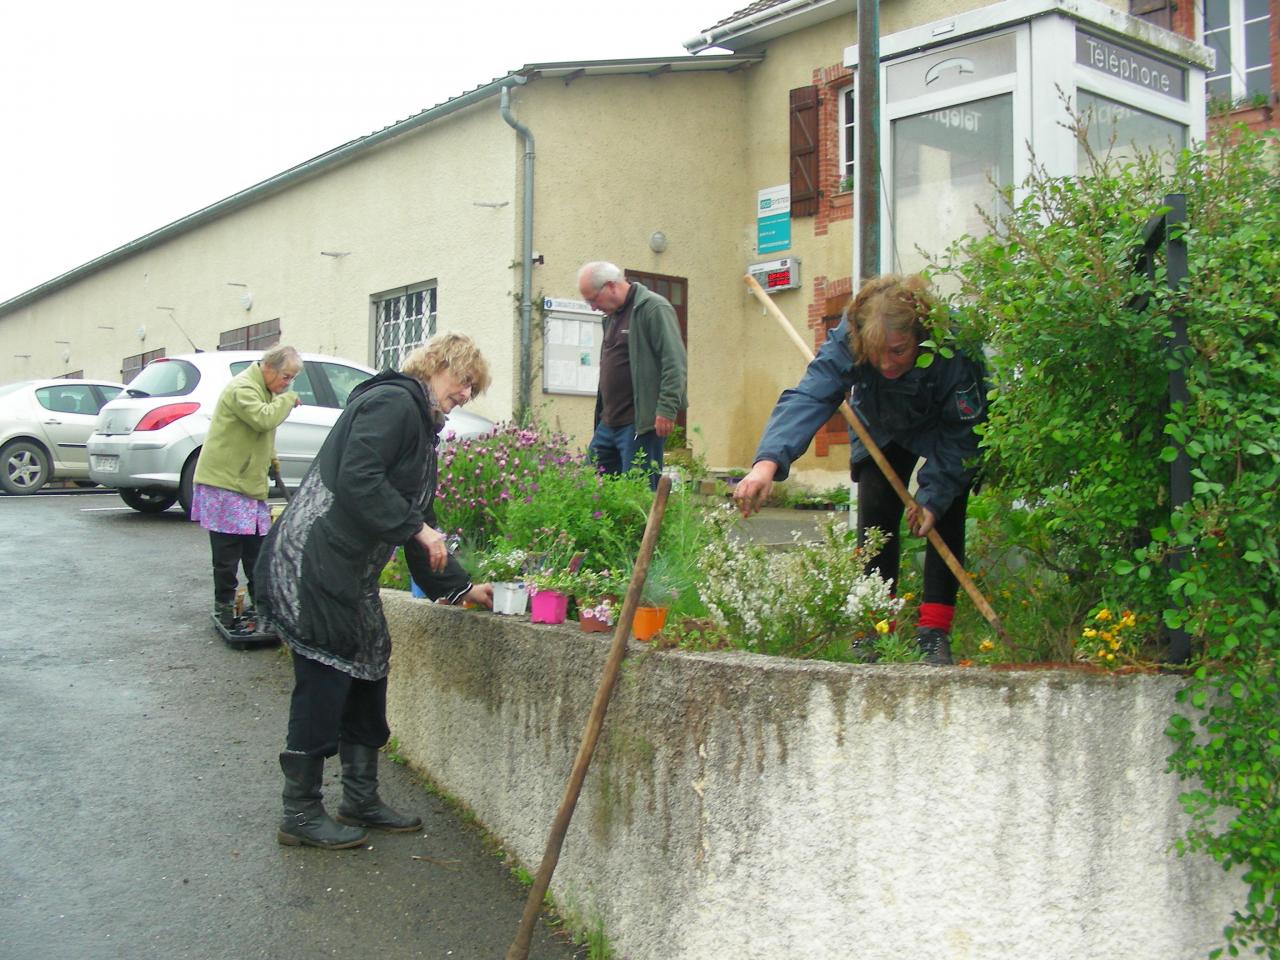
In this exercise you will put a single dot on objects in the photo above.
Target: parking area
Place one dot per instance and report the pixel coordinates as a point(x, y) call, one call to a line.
point(139, 789)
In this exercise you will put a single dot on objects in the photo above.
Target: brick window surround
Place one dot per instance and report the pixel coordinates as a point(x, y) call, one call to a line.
point(832, 204)
point(830, 297)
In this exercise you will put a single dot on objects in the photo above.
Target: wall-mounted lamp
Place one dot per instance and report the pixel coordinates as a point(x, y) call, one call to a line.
point(246, 298)
point(66, 355)
point(141, 332)
point(657, 241)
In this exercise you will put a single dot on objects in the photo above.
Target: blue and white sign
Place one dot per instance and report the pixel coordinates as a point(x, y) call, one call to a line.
point(773, 219)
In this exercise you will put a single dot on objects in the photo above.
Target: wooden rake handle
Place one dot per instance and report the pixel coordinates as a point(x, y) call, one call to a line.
point(519, 949)
point(878, 456)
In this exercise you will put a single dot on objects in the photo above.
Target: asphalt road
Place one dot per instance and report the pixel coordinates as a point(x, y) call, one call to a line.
point(139, 787)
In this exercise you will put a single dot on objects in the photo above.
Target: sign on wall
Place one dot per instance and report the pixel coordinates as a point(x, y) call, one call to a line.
point(571, 336)
point(773, 219)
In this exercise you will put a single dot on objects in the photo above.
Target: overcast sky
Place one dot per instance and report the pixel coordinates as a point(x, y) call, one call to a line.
point(119, 118)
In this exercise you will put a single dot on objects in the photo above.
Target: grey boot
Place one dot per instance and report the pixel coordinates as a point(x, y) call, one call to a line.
point(935, 644)
point(361, 805)
point(305, 821)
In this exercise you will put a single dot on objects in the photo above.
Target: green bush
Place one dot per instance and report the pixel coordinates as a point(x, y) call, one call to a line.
point(1081, 434)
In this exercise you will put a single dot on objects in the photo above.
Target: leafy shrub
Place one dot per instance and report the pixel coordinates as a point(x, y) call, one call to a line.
point(1081, 433)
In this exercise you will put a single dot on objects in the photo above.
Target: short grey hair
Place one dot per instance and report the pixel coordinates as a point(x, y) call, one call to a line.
point(281, 358)
point(600, 272)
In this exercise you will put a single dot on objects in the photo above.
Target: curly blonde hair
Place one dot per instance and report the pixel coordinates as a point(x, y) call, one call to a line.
point(890, 303)
point(455, 352)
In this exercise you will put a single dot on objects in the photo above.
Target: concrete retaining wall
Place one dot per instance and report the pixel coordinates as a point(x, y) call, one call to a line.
point(747, 807)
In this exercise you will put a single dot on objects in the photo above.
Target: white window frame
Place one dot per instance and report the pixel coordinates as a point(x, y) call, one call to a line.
point(413, 323)
point(1235, 28)
point(848, 121)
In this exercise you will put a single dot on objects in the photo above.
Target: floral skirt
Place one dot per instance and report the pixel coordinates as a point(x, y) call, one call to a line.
point(225, 511)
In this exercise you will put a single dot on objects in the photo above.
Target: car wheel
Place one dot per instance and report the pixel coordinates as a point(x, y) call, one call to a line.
point(148, 501)
point(25, 467)
point(187, 484)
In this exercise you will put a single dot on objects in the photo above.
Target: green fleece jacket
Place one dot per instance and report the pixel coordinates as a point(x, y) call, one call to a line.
point(241, 440)
point(659, 365)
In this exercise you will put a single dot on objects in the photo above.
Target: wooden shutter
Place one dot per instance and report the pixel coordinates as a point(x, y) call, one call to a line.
point(804, 151)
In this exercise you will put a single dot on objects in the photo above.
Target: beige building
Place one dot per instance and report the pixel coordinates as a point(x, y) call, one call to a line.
point(475, 214)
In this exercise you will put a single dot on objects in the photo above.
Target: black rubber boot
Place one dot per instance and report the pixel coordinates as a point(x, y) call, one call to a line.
point(305, 821)
point(361, 805)
point(935, 644)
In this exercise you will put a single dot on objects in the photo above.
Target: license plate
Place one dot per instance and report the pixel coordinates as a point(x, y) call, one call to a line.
point(105, 464)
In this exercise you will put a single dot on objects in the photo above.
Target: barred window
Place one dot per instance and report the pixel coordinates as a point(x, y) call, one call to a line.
point(402, 320)
point(256, 336)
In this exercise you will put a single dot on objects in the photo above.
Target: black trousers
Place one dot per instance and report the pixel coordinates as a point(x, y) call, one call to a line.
point(328, 705)
point(879, 506)
point(230, 551)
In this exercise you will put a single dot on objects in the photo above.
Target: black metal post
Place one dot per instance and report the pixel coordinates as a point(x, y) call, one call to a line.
point(1163, 230)
point(1180, 469)
point(868, 84)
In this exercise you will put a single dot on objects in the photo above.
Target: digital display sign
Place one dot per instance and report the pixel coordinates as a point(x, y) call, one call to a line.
point(781, 274)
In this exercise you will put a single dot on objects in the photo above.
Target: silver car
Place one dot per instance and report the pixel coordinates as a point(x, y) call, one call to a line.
point(148, 439)
point(44, 430)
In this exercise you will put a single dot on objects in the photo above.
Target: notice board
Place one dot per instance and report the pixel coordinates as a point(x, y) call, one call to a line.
point(571, 336)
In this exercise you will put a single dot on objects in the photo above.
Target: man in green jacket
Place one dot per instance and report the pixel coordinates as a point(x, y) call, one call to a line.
point(643, 370)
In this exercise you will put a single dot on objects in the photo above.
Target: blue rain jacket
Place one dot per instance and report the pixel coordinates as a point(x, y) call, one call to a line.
point(931, 411)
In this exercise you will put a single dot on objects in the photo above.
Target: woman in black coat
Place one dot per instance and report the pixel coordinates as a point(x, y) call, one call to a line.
point(369, 490)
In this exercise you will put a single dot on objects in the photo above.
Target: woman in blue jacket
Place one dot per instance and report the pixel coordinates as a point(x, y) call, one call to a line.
point(912, 413)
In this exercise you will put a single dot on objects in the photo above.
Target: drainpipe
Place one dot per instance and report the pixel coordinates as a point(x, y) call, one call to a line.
point(526, 246)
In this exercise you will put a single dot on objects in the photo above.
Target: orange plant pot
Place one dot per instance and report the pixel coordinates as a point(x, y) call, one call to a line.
point(648, 621)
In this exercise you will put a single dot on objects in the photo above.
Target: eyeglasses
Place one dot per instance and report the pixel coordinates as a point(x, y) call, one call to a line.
point(596, 296)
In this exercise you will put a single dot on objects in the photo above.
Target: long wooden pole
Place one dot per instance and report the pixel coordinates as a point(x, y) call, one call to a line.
point(878, 456)
point(519, 949)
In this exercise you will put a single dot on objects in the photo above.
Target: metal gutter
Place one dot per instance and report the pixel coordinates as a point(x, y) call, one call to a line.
point(717, 35)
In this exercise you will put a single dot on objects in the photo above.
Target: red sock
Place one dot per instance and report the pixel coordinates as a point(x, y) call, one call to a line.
point(937, 615)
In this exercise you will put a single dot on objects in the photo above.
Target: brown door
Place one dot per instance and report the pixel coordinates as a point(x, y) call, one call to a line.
point(676, 290)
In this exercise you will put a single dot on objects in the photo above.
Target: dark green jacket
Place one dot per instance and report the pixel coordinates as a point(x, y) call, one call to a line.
point(659, 366)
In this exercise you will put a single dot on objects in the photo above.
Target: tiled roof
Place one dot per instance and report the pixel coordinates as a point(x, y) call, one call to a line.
point(747, 11)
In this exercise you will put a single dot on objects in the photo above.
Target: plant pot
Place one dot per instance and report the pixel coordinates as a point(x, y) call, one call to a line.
point(510, 597)
point(590, 619)
point(548, 606)
point(648, 621)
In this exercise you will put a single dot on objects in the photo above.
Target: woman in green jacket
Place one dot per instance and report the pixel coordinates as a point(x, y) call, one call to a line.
point(229, 497)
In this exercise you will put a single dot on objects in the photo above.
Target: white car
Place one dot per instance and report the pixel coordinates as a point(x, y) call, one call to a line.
point(44, 430)
point(148, 439)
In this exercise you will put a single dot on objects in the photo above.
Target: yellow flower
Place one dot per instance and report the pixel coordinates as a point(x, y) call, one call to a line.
point(986, 646)
point(1090, 633)
point(1103, 615)
point(1111, 656)
point(1107, 635)
point(908, 595)
point(882, 627)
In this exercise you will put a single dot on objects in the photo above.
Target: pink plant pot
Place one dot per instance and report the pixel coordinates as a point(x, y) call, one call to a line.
point(548, 606)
